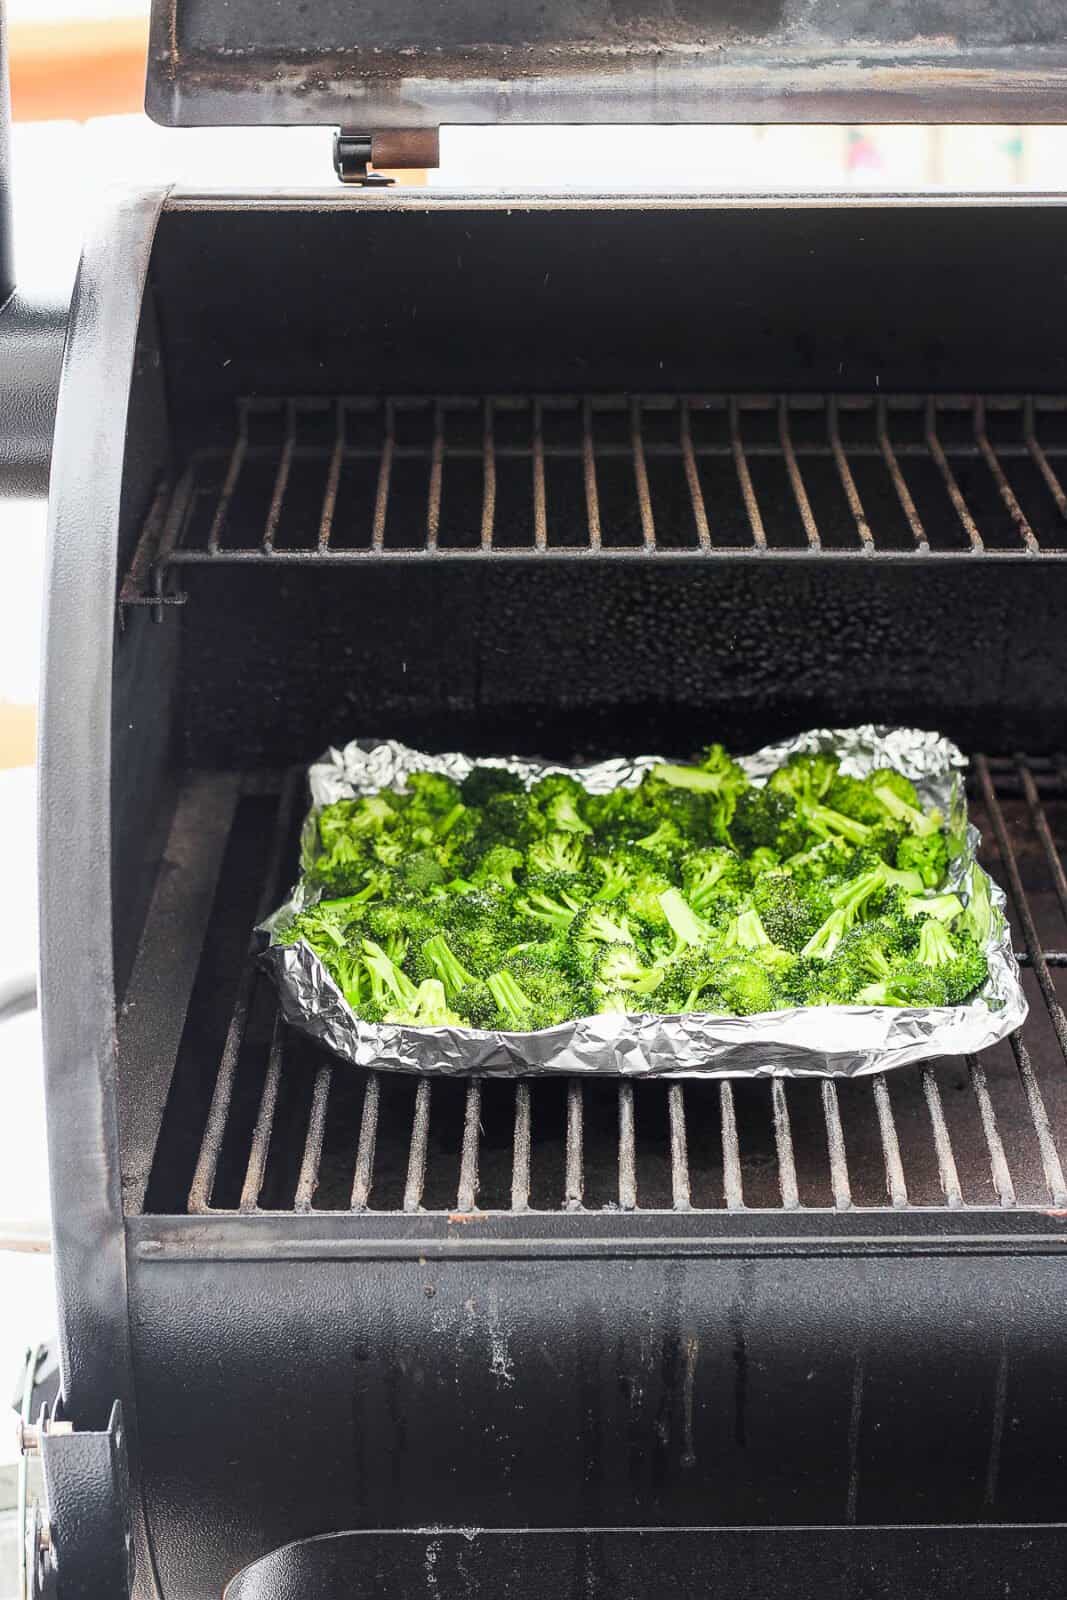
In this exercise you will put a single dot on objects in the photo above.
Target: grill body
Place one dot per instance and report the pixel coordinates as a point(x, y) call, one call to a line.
point(563, 477)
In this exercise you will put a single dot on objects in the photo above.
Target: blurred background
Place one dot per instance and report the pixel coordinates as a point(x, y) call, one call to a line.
point(77, 71)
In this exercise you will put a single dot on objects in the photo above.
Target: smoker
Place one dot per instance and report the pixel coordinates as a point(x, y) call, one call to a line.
point(566, 475)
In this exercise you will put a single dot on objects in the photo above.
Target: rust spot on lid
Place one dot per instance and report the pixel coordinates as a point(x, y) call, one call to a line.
point(464, 1216)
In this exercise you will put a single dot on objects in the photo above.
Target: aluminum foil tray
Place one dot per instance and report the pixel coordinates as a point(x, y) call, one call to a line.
point(819, 1041)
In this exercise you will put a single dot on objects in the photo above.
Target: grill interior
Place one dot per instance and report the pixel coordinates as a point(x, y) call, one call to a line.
point(335, 482)
point(255, 1118)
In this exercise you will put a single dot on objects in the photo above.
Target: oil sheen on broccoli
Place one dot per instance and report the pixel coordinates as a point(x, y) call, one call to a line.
point(487, 905)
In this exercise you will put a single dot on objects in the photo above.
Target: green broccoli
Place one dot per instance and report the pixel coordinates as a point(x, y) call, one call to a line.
point(428, 1009)
point(484, 781)
point(556, 852)
point(437, 960)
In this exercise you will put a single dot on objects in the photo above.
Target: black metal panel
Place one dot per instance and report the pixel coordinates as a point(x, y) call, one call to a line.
point(804, 1385)
point(690, 1563)
point(87, 1494)
point(77, 991)
point(410, 64)
point(422, 294)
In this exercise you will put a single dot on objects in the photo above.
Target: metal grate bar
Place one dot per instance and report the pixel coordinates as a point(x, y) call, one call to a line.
point(692, 476)
point(268, 1100)
point(1004, 488)
point(488, 476)
point(744, 478)
point(218, 1111)
point(385, 471)
point(1044, 834)
point(333, 478)
point(281, 479)
point(680, 1191)
point(520, 1160)
point(733, 1188)
point(467, 1194)
point(229, 484)
point(627, 1150)
point(644, 498)
point(946, 1161)
point(907, 504)
point(540, 502)
point(574, 1181)
point(933, 444)
point(592, 497)
point(1050, 1158)
point(420, 1137)
point(308, 1181)
point(1040, 459)
point(998, 1161)
point(1022, 905)
point(783, 1140)
point(433, 496)
point(848, 482)
point(896, 1187)
point(835, 1144)
point(363, 1180)
point(796, 481)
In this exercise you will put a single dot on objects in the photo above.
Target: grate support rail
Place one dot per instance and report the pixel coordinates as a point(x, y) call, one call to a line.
point(311, 482)
point(986, 1132)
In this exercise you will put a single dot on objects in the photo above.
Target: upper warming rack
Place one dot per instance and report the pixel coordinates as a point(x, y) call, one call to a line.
point(314, 482)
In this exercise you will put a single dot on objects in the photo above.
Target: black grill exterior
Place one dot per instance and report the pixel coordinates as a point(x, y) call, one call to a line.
point(802, 1331)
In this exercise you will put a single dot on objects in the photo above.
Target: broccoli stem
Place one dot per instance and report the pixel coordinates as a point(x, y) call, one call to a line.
point(936, 907)
point(690, 778)
point(935, 946)
point(513, 1005)
point(449, 969)
point(684, 923)
point(828, 822)
point(825, 940)
point(920, 823)
point(388, 982)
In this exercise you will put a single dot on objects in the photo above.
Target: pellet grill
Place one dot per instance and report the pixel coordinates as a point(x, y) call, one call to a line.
point(568, 475)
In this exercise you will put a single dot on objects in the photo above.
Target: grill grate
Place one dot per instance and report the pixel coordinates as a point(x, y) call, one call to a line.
point(283, 1127)
point(311, 482)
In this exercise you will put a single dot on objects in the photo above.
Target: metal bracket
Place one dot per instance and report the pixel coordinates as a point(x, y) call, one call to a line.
point(79, 1544)
point(356, 154)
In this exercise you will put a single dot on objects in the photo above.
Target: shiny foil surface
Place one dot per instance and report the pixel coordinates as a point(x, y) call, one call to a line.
point(817, 1041)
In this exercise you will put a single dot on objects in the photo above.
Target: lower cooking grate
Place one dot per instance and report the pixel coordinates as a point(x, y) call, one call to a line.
point(308, 482)
point(252, 1118)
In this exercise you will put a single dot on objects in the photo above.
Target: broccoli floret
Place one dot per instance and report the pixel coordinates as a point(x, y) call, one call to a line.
point(665, 842)
point(497, 868)
point(561, 800)
point(927, 855)
point(551, 984)
point(619, 968)
point(713, 874)
point(957, 959)
point(791, 911)
point(556, 852)
point(804, 778)
point(827, 859)
point(828, 935)
point(428, 1009)
point(482, 782)
point(853, 797)
point(703, 780)
point(736, 986)
point(476, 1005)
point(553, 910)
point(766, 819)
point(433, 796)
point(509, 818)
point(421, 871)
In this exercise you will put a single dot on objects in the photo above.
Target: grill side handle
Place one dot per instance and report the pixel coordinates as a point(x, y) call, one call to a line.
point(31, 341)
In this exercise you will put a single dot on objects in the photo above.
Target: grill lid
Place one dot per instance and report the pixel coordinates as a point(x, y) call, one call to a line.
point(373, 65)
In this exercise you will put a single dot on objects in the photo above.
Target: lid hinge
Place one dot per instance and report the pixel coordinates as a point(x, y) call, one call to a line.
point(355, 155)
